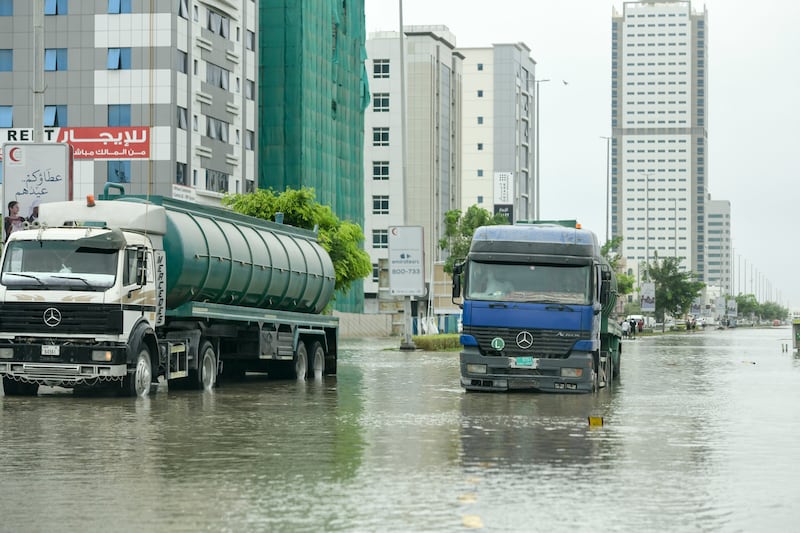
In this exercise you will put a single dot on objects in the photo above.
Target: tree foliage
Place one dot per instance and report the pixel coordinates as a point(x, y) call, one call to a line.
point(676, 289)
point(341, 239)
point(748, 306)
point(459, 230)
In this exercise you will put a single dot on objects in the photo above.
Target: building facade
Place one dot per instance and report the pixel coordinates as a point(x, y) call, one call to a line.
point(719, 259)
point(659, 152)
point(185, 71)
point(411, 179)
point(499, 144)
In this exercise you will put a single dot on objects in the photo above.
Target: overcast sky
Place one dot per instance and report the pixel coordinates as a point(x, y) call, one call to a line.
point(753, 106)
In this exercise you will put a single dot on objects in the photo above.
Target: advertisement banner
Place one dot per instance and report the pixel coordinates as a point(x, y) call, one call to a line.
point(648, 297)
point(101, 143)
point(406, 261)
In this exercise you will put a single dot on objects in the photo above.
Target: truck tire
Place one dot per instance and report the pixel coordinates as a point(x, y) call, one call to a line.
point(19, 388)
point(206, 374)
point(317, 360)
point(138, 382)
point(301, 362)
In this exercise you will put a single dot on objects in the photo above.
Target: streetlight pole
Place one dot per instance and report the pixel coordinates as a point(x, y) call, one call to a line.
point(608, 182)
point(538, 213)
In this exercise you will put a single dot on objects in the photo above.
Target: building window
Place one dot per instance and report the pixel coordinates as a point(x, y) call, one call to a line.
point(480, 146)
point(380, 102)
point(183, 117)
point(380, 136)
point(380, 205)
point(119, 59)
point(480, 172)
point(183, 62)
point(250, 40)
point(55, 59)
point(55, 7)
point(380, 238)
point(380, 170)
point(216, 181)
point(219, 24)
point(380, 68)
point(480, 120)
point(119, 171)
point(217, 76)
point(480, 93)
point(6, 60)
point(249, 186)
point(6, 8)
point(119, 115)
point(6, 116)
point(249, 139)
point(480, 199)
point(249, 89)
point(480, 66)
point(55, 115)
point(183, 9)
point(116, 7)
point(217, 129)
point(376, 272)
point(180, 174)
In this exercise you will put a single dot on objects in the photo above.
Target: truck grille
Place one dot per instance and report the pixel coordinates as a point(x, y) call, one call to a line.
point(68, 318)
point(547, 343)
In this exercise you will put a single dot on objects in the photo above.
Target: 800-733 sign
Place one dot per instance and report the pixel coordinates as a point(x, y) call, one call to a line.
point(406, 261)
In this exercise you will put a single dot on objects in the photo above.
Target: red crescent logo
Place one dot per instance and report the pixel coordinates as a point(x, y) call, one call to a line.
point(394, 231)
point(12, 154)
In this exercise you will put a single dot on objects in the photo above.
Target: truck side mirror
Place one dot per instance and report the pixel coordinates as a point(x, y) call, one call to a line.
point(457, 271)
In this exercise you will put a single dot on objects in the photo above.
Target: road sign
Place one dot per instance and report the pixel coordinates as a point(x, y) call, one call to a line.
point(406, 261)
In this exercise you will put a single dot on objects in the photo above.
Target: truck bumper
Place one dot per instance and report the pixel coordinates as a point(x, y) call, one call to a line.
point(574, 374)
point(72, 366)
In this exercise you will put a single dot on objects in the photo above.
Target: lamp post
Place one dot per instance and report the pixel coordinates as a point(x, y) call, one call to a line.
point(537, 214)
point(608, 182)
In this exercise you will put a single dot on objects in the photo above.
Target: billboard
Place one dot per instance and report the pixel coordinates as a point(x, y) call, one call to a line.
point(406, 261)
point(33, 173)
point(105, 142)
point(648, 297)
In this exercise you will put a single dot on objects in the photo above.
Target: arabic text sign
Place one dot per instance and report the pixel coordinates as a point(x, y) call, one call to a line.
point(406, 265)
point(108, 142)
point(34, 173)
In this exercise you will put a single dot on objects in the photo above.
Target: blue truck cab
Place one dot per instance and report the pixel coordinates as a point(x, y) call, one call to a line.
point(537, 298)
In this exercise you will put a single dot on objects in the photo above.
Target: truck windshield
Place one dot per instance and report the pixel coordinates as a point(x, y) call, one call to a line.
point(516, 282)
point(58, 265)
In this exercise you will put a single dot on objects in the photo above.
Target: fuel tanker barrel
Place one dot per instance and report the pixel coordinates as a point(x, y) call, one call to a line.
point(218, 256)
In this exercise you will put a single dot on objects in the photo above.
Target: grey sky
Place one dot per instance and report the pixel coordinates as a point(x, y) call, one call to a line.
point(754, 111)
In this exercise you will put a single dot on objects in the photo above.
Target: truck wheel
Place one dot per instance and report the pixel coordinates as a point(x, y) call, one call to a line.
point(318, 360)
point(206, 367)
point(137, 383)
point(301, 361)
point(19, 388)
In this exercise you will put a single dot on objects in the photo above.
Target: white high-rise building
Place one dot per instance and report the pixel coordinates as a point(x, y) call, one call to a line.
point(499, 148)
point(660, 133)
point(415, 184)
point(718, 245)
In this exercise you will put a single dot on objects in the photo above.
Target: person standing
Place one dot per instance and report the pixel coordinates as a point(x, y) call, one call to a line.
point(625, 328)
point(13, 221)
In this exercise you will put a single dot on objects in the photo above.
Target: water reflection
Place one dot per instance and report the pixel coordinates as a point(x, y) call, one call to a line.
point(699, 433)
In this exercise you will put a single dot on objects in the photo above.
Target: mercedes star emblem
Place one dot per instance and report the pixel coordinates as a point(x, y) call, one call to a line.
point(524, 340)
point(52, 317)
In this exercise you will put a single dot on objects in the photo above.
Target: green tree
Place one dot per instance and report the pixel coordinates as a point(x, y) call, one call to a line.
point(773, 311)
point(675, 289)
point(341, 239)
point(610, 250)
point(459, 230)
point(747, 305)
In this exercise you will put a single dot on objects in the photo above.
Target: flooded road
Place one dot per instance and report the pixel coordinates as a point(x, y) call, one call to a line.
point(701, 434)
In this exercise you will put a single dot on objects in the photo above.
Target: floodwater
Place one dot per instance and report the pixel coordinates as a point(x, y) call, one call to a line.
point(700, 434)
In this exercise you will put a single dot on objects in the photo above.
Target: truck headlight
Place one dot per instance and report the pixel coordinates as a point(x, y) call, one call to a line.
point(6, 353)
point(571, 372)
point(101, 355)
point(476, 369)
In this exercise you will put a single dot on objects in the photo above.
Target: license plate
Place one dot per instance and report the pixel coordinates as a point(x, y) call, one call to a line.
point(525, 362)
point(49, 349)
